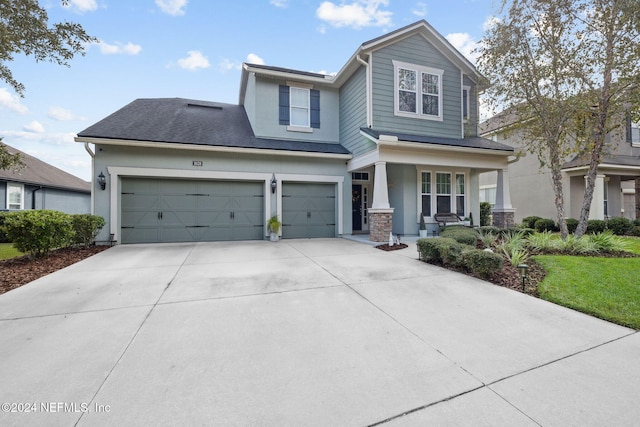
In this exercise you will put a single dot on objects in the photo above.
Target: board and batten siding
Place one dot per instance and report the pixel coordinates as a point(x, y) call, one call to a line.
point(415, 50)
point(353, 114)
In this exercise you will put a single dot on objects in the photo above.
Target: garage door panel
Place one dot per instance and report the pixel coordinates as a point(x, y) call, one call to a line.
point(308, 210)
point(156, 210)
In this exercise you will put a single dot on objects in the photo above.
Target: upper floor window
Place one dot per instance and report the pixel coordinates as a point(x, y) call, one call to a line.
point(15, 196)
point(633, 136)
point(299, 107)
point(418, 91)
point(465, 103)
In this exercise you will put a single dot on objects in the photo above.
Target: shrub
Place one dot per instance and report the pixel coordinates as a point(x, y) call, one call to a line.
point(636, 222)
point(545, 225)
point(573, 245)
point(530, 221)
point(86, 227)
point(524, 231)
point(444, 250)
point(607, 242)
point(517, 257)
point(572, 224)
point(3, 236)
point(488, 238)
point(482, 263)
point(542, 242)
point(489, 229)
point(636, 231)
point(38, 232)
point(485, 213)
point(620, 226)
point(596, 226)
point(464, 235)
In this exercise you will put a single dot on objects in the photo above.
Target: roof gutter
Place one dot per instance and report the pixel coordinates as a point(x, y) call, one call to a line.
point(211, 148)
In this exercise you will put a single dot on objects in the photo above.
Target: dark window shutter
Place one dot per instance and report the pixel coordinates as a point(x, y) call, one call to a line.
point(284, 105)
point(629, 135)
point(315, 108)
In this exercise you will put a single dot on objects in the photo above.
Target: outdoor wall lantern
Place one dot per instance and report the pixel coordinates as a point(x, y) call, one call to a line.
point(523, 273)
point(102, 180)
point(274, 184)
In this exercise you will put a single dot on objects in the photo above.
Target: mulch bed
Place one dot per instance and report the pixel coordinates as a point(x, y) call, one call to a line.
point(16, 272)
point(395, 247)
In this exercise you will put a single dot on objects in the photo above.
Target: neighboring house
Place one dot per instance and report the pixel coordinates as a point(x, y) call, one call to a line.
point(393, 134)
point(41, 186)
point(616, 186)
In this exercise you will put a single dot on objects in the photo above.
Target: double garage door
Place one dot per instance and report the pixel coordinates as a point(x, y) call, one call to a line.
point(163, 210)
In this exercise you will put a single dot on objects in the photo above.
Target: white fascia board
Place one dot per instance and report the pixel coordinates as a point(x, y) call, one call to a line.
point(214, 148)
point(603, 166)
point(363, 161)
point(287, 75)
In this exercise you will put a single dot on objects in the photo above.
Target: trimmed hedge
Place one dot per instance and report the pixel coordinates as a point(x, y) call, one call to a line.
point(485, 213)
point(461, 234)
point(444, 250)
point(572, 224)
point(620, 226)
point(530, 221)
point(38, 232)
point(482, 263)
point(86, 227)
point(3, 236)
point(596, 226)
point(544, 225)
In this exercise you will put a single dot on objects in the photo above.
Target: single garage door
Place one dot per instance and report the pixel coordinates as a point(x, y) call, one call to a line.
point(162, 210)
point(308, 210)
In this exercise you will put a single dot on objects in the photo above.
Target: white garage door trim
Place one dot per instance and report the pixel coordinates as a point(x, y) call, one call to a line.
point(117, 172)
point(320, 179)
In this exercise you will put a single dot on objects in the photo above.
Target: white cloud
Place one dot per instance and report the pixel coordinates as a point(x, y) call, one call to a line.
point(62, 114)
point(194, 60)
point(280, 3)
point(82, 6)
point(358, 14)
point(465, 44)
point(119, 48)
point(172, 7)
point(12, 102)
point(420, 9)
point(252, 58)
point(490, 22)
point(34, 127)
point(227, 64)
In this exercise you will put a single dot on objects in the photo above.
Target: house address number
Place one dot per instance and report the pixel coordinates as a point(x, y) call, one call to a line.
point(197, 163)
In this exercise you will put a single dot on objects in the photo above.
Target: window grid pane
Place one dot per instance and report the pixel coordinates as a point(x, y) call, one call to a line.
point(459, 183)
point(443, 183)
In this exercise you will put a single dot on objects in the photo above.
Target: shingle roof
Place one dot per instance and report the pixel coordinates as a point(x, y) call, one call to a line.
point(473, 142)
point(37, 172)
point(581, 161)
point(187, 121)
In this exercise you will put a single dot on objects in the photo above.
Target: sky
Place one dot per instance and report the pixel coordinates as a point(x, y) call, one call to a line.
point(194, 49)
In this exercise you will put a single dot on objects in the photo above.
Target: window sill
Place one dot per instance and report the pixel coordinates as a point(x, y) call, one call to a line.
point(418, 116)
point(299, 129)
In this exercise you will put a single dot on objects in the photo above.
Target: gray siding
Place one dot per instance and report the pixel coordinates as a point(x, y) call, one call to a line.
point(265, 121)
point(353, 114)
point(415, 50)
point(471, 127)
point(71, 202)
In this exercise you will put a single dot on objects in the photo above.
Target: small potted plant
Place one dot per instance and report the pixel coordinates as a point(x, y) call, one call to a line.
point(274, 225)
point(423, 226)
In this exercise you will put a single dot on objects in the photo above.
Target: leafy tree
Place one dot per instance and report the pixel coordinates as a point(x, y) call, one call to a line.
point(24, 29)
point(8, 160)
point(568, 70)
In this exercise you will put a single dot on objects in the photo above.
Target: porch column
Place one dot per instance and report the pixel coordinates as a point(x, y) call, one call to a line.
point(503, 212)
point(597, 201)
point(637, 181)
point(380, 213)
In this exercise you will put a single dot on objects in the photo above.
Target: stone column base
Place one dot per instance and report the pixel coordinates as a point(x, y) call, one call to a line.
point(504, 218)
point(380, 224)
point(637, 182)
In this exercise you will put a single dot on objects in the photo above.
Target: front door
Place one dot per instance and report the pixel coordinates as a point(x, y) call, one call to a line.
point(356, 207)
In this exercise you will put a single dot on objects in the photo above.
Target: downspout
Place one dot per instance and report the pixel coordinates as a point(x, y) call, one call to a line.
point(368, 88)
point(33, 198)
point(93, 155)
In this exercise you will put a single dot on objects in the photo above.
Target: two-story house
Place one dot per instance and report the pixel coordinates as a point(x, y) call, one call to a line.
point(392, 135)
point(617, 184)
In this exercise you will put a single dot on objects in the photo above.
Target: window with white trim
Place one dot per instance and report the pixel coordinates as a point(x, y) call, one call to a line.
point(418, 91)
point(460, 194)
point(465, 103)
point(635, 134)
point(425, 194)
point(299, 103)
point(15, 196)
point(448, 193)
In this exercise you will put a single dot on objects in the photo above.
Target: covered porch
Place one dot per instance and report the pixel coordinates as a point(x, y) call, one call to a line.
point(408, 175)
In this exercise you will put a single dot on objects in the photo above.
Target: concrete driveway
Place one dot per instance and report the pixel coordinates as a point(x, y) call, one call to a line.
point(301, 332)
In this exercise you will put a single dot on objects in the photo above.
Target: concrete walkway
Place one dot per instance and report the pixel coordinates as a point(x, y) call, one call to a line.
point(301, 332)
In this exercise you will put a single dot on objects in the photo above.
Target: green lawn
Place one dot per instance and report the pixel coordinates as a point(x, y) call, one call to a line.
point(608, 288)
point(8, 251)
point(633, 244)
